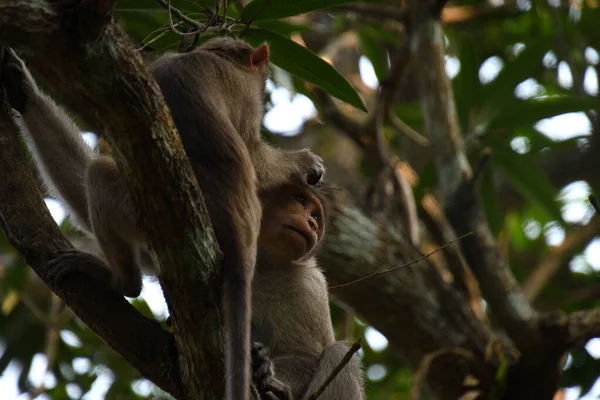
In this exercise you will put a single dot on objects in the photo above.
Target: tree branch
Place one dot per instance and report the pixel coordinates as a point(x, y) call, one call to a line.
point(122, 98)
point(558, 256)
point(412, 307)
point(31, 230)
point(454, 174)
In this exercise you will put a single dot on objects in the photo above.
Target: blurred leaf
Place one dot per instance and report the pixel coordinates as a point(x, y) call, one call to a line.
point(282, 27)
point(467, 87)
point(305, 64)
point(584, 370)
point(527, 178)
point(274, 9)
point(16, 276)
point(500, 91)
point(528, 112)
point(371, 44)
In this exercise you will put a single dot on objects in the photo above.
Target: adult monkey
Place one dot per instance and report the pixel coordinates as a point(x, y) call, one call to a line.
point(215, 95)
point(290, 303)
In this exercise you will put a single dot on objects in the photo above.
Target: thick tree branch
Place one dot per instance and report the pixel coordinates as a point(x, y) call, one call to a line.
point(32, 231)
point(122, 98)
point(412, 307)
point(454, 174)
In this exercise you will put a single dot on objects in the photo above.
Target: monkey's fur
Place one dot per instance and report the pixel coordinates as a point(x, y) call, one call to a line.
point(215, 95)
point(296, 350)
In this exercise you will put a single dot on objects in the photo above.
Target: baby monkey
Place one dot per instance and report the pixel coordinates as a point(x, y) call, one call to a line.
point(294, 349)
point(215, 95)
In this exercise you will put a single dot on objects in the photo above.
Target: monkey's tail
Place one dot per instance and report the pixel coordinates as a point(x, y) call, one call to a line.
point(237, 315)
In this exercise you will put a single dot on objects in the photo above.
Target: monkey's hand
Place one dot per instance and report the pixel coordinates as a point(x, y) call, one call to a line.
point(308, 167)
point(16, 80)
point(71, 262)
point(263, 376)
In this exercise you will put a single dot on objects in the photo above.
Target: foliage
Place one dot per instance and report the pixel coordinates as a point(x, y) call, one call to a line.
point(532, 45)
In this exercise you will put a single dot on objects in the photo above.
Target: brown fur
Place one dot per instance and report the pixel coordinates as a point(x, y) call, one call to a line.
point(216, 101)
point(291, 305)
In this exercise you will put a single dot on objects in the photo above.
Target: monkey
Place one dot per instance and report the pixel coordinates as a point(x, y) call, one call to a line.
point(294, 350)
point(215, 96)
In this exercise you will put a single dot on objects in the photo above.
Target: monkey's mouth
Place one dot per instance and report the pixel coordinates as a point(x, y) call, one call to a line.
point(300, 232)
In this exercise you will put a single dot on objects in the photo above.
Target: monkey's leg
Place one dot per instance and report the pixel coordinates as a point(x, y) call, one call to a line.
point(114, 221)
point(348, 384)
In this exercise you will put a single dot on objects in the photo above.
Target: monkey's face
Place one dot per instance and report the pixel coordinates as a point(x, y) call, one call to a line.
point(293, 223)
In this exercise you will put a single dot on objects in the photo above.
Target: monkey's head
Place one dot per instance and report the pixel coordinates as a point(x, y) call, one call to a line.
point(241, 53)
point(293, 223)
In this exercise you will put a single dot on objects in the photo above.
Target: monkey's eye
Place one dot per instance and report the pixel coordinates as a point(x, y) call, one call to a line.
point(301, 200)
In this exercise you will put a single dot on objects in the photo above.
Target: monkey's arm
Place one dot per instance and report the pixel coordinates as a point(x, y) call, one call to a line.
point(275, 167)
point(298, 376)
point(90, 186)
point(53, 138)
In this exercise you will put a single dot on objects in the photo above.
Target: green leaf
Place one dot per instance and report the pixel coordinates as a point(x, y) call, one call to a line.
point(274, 9)
point(528, 112)
point(527, 178)
point(372, 47)
point(303, 63)
point(467, 87)
point(500, 91)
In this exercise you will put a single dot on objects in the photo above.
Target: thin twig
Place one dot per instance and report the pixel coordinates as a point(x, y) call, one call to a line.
point(174, 29)
point(155, 39)
point(353, 349)
point(406, 129)
point(181, 16)
point(374, 274)
point(35, 310)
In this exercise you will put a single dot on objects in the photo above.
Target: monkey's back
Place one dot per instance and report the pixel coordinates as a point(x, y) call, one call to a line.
point(213, 145)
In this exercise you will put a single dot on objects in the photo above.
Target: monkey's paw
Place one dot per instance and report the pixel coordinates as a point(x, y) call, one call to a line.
point(310, 166)
point(263, 376)
point(17, 80)
point(72, 262)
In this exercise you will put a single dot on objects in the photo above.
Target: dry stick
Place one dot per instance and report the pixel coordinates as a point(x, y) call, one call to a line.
point(163, 33)
point(353, 349)
point(181, 16)
point(406, 129)
point(383, 160)
point(374, 274)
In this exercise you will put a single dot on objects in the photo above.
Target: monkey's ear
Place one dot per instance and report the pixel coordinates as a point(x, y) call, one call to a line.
point(259, 56)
